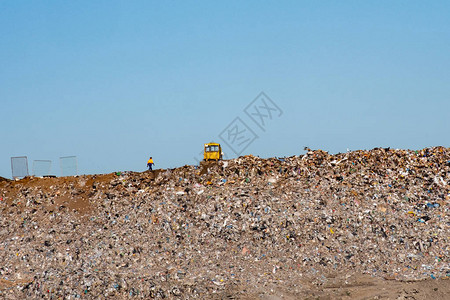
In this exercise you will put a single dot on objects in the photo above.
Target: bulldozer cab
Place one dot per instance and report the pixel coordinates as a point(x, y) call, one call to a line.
point(212, 151)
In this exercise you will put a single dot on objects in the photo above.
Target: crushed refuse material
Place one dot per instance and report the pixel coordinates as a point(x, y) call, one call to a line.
point(227, 227)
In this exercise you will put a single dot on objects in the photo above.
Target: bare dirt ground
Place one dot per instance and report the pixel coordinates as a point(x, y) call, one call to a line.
point(359, 287)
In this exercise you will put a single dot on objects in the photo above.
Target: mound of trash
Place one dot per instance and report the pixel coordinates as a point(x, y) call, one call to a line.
point(227, 228)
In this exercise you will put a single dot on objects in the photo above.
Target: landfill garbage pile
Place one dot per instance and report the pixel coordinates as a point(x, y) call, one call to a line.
point(224, 229)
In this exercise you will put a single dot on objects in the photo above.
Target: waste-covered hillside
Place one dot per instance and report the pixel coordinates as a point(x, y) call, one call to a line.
point(228, 229)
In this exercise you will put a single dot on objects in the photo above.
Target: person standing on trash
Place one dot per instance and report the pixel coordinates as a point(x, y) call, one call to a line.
point(150, 163)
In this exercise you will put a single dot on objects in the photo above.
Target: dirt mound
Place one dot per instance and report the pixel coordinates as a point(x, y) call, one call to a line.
point(316, 225)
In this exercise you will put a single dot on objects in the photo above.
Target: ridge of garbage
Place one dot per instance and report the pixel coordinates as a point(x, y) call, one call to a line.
point(228, 226)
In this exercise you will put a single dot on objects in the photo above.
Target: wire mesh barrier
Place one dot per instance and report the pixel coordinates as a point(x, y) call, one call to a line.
point(42, 167)
point(19, 166)
point(68, 165)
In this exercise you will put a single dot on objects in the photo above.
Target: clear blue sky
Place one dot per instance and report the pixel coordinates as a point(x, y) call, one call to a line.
point(114, 82)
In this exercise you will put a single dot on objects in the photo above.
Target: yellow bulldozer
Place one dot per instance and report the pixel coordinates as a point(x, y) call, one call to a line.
point(212, 151)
